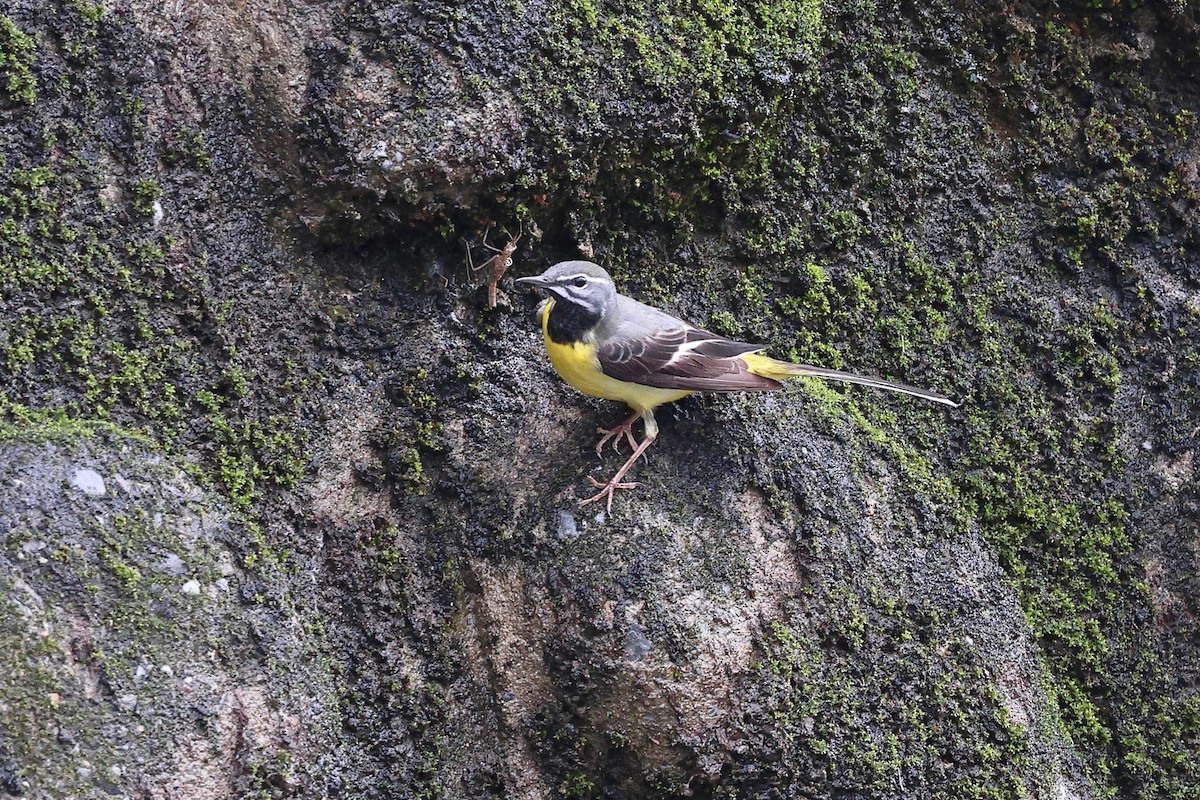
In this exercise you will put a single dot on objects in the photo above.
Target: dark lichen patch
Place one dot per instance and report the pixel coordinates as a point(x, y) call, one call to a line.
point(412, 585)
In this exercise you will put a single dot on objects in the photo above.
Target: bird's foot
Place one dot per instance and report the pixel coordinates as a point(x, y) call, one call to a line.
point(608, 489)
point(614, 433)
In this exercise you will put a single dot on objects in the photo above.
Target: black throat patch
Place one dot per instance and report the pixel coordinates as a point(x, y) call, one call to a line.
point(569, 322)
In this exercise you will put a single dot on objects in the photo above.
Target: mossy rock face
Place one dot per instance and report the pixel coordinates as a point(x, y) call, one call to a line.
point(135, 658)
point(238, 235)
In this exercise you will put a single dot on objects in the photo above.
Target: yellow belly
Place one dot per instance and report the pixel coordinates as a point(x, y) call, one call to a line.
point(578, 366)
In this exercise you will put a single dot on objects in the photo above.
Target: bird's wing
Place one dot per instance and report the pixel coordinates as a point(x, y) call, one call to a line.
point(651, 348)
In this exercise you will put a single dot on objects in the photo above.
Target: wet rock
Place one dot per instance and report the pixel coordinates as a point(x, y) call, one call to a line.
point(247, 246)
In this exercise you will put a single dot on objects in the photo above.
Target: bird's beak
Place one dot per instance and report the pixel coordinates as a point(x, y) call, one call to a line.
point(536, 281)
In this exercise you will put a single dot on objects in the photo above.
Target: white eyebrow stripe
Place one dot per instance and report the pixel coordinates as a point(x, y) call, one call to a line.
point(585, 276)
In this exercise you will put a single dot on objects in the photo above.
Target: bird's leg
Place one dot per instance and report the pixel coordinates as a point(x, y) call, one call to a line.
point(608, 488)
point(614, 434)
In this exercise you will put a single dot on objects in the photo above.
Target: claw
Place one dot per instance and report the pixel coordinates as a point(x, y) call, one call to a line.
point(614, 434)
point(609, 488)
point(628, 485)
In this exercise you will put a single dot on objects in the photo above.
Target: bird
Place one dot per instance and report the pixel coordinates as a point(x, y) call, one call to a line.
point(608, 345)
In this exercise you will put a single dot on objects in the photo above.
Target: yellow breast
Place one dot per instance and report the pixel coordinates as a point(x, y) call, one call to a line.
point(579, 366)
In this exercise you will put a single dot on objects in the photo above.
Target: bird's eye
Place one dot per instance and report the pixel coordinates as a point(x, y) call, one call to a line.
point(580, 281)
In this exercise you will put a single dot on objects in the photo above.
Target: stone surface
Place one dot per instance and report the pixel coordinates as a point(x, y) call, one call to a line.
point(286, 512)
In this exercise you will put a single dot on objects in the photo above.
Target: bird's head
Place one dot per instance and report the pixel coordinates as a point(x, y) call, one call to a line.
point(580, 283)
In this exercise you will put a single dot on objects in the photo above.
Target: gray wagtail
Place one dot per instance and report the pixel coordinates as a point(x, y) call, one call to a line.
point(611, 346)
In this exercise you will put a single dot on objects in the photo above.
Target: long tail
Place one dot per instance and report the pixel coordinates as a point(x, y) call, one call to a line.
point(781, 370)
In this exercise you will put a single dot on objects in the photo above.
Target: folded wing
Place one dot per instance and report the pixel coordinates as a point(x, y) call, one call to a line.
point(680, 356)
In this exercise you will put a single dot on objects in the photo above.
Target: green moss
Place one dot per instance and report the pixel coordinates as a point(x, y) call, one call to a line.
point(41, 425)
point(838, 715)
point(1050, 492)
point(382, 543)
point(190, 148)
point(16, 62)
point(128, 575)
point(407, 445)
point(702, 60)
point(1045, 476)
point(89, 13)
point(413, 473)
point(145, 191)
point(724, 323)
point(578, 786)
point(107, 344)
